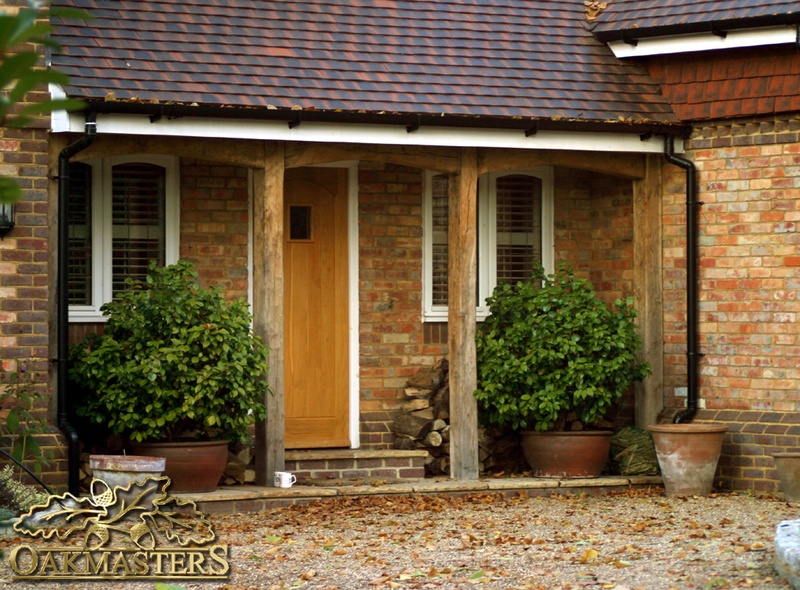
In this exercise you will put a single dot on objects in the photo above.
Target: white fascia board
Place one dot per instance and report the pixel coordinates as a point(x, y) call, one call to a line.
point(58, 119)
point(705, 42)
point(118, 124)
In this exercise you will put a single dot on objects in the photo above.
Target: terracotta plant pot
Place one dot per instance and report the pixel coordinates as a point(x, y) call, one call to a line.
point(688, 455)
point(566, 454)
point(788, 467)
point(121, 470)
point(193, 466)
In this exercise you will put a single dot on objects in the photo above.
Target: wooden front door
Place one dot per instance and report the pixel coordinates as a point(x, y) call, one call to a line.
point(316, 309)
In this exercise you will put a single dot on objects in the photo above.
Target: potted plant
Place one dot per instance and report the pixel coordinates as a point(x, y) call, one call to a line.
point(552, 358)
point(176, 364)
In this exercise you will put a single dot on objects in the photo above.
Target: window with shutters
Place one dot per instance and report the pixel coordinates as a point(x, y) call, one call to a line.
point(515, 234)
point(123, 213)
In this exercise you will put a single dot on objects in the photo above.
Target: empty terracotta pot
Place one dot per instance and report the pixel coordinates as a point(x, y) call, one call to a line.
point(121, 470)
point(688, 455)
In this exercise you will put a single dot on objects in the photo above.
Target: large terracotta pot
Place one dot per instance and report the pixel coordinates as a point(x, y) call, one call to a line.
point(576, 454)
point(193, 466)
point(688, 455)
point(788, 467)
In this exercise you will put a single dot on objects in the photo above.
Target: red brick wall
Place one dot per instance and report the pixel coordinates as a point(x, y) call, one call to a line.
point(390, 293)
point(729, 84)
point(749, 182)
point(594, 230)
point(214, 224)
point(24, 274)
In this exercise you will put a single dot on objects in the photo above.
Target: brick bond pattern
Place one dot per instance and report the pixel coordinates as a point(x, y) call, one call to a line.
point(24, 266)
point(214, 224)
point(392, 345)
point(341, 465)
point(749, 180)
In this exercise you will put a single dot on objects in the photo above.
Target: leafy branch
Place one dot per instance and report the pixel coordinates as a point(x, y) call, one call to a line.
point(21, 35)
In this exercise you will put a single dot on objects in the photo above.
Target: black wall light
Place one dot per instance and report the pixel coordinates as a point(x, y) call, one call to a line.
point(6, 218)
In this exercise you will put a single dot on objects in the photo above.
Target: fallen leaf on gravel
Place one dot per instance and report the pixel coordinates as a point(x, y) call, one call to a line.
point(309, 575)
point(633, 540)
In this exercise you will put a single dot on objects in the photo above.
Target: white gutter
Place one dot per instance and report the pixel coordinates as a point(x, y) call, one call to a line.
point(123, 124)
point(735, 39)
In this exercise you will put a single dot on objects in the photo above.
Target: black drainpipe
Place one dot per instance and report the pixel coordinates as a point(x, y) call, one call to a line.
point(692, 214)
point(62, 302)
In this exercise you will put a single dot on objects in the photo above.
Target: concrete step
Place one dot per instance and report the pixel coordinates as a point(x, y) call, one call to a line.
point(326, 465)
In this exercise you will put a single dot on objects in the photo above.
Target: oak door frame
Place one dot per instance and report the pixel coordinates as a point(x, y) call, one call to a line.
point(354, 383)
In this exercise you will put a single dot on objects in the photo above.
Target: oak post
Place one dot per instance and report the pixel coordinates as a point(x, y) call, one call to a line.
point(647, 269)
point(268, 304)
point(462, 250)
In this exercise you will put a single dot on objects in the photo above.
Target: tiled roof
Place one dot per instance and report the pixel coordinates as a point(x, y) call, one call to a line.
point(493, 59)
point(651, 17)
point(731, 84)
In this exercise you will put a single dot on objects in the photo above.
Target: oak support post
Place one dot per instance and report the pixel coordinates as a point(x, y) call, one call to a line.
point(462, 252)
point(268, 305)
point(647, 282)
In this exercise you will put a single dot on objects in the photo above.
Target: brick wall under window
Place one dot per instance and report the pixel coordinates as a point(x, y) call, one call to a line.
point(391, 338)
point(214, 224)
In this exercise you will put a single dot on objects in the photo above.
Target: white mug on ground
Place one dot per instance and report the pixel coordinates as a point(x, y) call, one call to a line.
point(284, 479)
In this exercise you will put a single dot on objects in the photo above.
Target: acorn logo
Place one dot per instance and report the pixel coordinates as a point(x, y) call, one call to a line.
point(136, 531)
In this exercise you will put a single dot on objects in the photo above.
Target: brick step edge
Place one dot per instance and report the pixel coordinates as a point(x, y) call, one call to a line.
point(349, 464)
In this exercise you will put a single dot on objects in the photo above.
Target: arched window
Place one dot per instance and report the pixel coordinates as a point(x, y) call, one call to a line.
point(123, 213)
point(515, 233)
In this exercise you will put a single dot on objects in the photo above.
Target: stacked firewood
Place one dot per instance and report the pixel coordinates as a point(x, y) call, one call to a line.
point(423, 423)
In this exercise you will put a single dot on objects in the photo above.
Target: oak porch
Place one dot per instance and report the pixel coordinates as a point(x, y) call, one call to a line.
point(269, 160)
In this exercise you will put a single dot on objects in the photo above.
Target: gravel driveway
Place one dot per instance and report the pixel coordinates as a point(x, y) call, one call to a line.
point(635, 540)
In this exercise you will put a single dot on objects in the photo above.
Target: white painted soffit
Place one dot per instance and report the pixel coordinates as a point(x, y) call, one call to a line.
point(119, 124)
point(704, 41)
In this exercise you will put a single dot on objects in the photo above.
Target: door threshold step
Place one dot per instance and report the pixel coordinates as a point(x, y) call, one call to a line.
point(312, 467)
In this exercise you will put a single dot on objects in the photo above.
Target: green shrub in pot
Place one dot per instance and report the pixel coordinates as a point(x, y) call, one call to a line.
point(175, 362)
point(551, 349)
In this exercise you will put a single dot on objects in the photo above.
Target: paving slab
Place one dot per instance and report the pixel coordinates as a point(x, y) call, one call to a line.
point(376, 490)
point(522, 483)
point(255, 496)
point(594, 482)
point(446, 486)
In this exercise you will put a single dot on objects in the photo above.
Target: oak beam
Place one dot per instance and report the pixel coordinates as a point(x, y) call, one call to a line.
point(445, 160)
point(247, 153)
point(462, 252)
point(616, 164)
point(268, 305)
point(647, 281)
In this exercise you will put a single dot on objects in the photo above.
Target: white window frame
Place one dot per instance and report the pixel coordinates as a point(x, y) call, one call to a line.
point(487, 237)
point(102, 230)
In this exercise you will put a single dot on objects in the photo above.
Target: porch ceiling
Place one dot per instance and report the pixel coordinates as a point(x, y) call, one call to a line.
point(464, 62)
